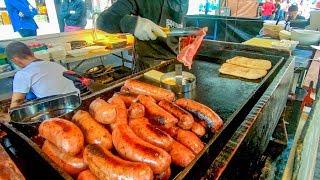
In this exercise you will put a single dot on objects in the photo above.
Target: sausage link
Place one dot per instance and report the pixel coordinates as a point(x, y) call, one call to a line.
point(151, 134)
point(185, 118)
point(213, 121)
point(181, 155)
point(198, 129)
point(102, 111)
point(86, 175)
point(94, 132)
point(104, 165)
point(62, 133)
point(131, 147)
point(190, 140)
point(136, 87)
point(164, 176)
point(127, 98)
point(156, 113)
point(121, 111)
point(172, 131)
point(136, 110)
point(71, 164)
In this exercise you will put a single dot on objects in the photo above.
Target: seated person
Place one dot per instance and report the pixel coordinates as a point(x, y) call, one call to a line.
point(42, 78)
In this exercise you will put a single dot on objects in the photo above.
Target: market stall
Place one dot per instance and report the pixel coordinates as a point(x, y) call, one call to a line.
point(243, 105)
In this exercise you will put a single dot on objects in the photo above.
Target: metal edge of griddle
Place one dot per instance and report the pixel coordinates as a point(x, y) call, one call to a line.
point(229, 150)
point(212, 140)
point(17, 134)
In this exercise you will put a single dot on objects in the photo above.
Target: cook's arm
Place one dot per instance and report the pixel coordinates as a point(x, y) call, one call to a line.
point(17, 99)
point(120, 17)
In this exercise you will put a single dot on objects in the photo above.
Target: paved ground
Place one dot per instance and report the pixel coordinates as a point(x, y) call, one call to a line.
point(317, 169)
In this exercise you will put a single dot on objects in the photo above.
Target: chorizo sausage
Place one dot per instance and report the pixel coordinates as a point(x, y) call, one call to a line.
point(136, 110)
point(105, 165)
point(164, 176)
point(213, 121)
point(62, 133)
point(102, 111)
point(127, 98)
point(151, 134)
point(136, 87)
point(86, 175)
point(181, 155)
point(121, 111)
point(190, 140)
point(71, 164)
point(198, 129)
point(185, 118)
point(94, 133)
point(156, 113)
point(131, 147)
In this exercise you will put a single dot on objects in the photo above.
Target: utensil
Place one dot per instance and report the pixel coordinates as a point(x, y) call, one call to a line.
point(171, 82)
point(186, 31)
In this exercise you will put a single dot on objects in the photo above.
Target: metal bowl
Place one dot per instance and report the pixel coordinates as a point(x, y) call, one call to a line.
point(39, 110)
point(170, 81)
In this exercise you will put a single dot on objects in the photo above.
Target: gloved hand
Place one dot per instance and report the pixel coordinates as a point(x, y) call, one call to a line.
point(147, 30)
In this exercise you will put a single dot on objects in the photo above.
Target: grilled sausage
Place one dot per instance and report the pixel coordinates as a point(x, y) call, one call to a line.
point(136, 87)
point(94, 132)
point(8, 169)
point(181, 155)
point(128, 99)
point(213, 121)
point(164, 176)
point(156, 113)
point(198, 129)
point(131, 147)
point(136, 110)
point(185, 118)
point(86, 175)
point(190, 140)
point(151, 134)
point(102, 111)
point(63, 134)
point(70, 164)
point(105, 165)
point(122, 116)
point(172, 131)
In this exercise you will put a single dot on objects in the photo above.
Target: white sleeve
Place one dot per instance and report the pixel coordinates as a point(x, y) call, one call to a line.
point(21, 83)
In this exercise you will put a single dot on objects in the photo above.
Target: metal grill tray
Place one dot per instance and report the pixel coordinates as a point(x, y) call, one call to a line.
point(231, 98)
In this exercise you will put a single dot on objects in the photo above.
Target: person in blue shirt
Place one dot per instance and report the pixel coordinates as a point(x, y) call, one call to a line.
point(73, 12)
point(21, 14)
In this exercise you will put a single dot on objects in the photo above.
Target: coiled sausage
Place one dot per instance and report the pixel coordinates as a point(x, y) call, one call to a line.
point(102, 111)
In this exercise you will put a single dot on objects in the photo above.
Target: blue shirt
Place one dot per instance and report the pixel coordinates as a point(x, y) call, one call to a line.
point(14, 7)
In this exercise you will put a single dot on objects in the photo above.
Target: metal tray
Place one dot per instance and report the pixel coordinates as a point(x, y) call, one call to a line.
point(231, 98)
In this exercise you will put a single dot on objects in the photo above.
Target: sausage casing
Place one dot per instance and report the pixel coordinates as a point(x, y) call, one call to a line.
point(213, 121)
point(136, 110)
point(151, 133)
point(64, 134)
point(190, 140)
point(164, 176)
point(185, 118)
point(198, 129)
point(70, 164)
point(156, 113)
point(121, 111)
point(131, 147)
point(86, 175)
point(105, 165)
point(137, 87)
point(102, 111)
point(94, 132)
point(181, 155)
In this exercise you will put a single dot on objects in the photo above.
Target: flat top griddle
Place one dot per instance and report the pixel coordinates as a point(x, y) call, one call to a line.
point(232, 98)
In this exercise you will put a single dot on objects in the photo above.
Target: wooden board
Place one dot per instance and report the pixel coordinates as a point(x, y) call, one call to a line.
point(313, 72)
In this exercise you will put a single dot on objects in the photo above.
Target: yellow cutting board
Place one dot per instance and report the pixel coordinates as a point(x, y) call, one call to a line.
point(260, 42)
